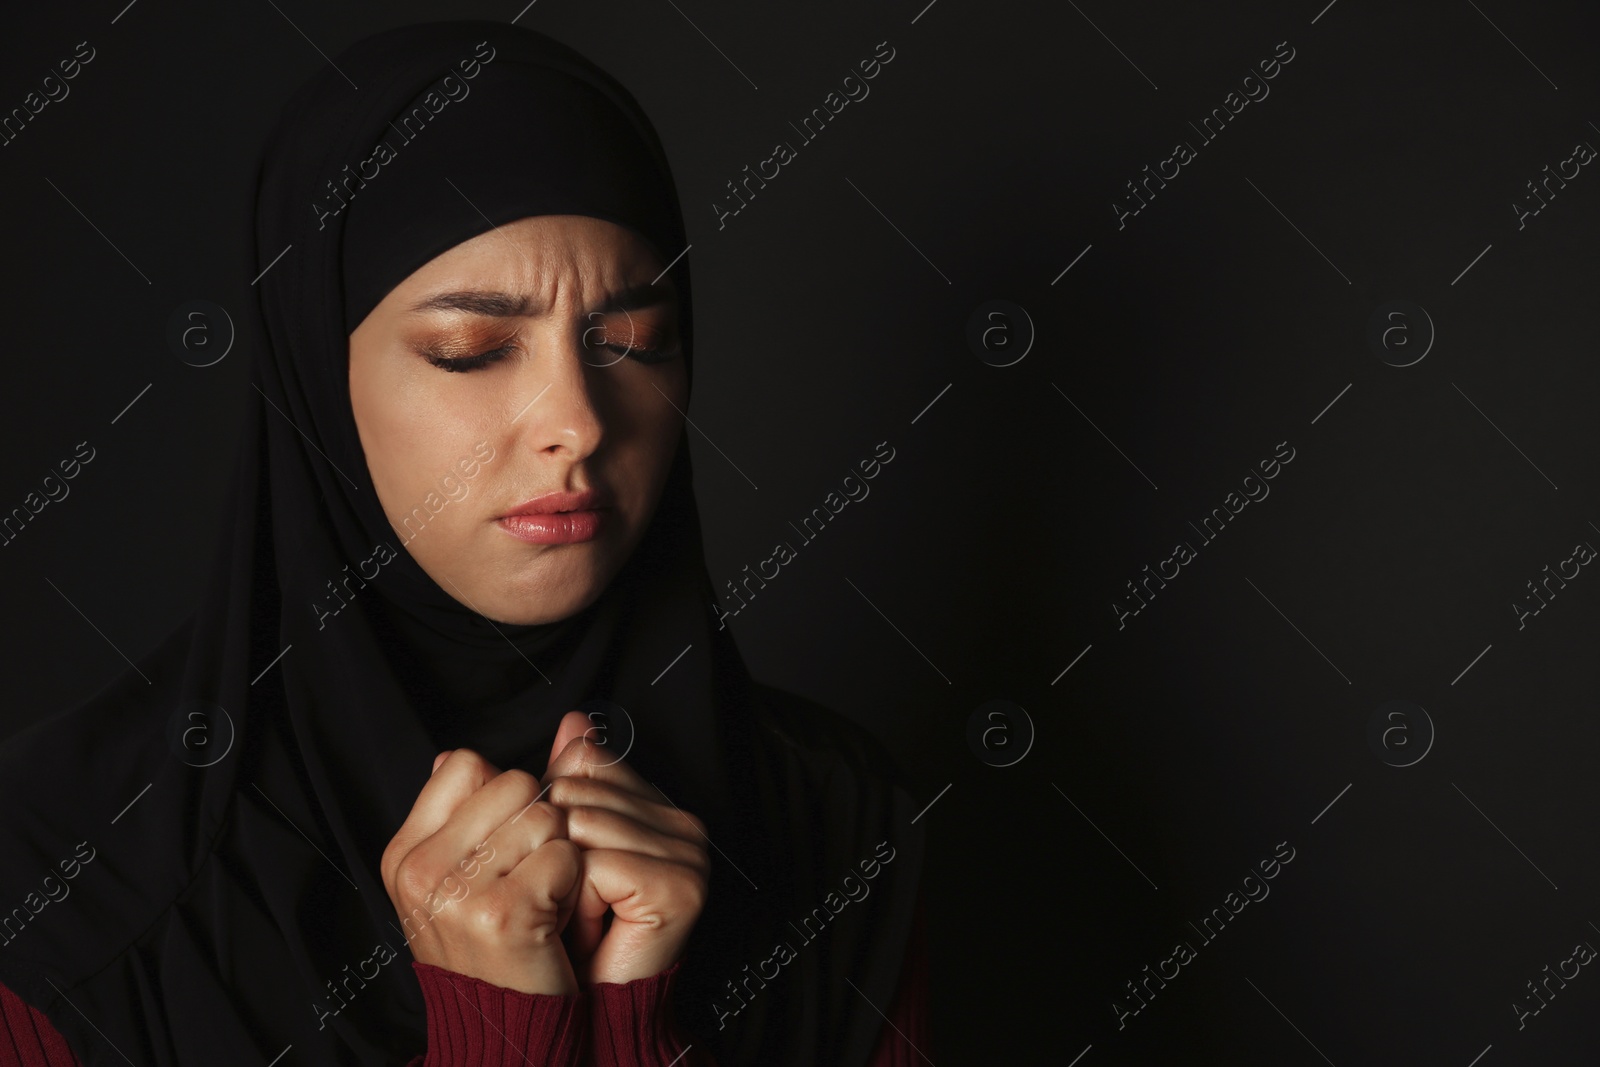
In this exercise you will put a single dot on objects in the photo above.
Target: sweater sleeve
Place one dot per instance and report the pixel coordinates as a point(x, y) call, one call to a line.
point(632, 1025)
point(472, 1023)
point(26, 1037)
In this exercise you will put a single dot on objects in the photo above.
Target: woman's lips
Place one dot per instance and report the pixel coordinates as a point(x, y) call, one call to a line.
point(556, 528)
point(559, 518)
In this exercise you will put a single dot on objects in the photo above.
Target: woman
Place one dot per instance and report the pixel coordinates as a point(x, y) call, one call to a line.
point(454, 687)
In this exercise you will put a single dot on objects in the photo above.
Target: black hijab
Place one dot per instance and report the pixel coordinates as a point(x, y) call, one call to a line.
point(190, 871)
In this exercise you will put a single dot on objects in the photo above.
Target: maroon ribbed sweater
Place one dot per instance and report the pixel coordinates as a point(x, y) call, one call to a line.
point(474, 1024)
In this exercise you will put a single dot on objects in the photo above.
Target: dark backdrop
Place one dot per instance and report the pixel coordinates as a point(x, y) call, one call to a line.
point(1359, 212)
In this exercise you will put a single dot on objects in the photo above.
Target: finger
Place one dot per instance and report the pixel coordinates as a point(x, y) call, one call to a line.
point(515, 839)
point(455, 778)
point(569, 793)
point(587, 927)
point(643, 889)
point(550, 877)
point(500, 824)
point(601, 828)
point(573, 724)
point(440, 758)
point(584, 756)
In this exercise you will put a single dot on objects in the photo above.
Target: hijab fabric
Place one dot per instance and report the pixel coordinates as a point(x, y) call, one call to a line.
point(190, 869)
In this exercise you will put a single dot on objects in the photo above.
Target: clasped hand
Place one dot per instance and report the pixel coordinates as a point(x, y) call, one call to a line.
point(506, 879)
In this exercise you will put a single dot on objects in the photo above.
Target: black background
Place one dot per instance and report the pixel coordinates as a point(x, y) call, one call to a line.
point(1178, 351)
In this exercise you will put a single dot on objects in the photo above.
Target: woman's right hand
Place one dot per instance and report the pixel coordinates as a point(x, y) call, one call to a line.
point(484, 878)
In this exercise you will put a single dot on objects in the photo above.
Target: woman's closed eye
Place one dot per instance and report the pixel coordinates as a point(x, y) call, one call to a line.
point(466, 363)
point(643, 345)
point(643, 353)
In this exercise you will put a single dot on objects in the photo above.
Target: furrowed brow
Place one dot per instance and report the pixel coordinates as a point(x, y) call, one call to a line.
point(478, 302)
point(502, 305)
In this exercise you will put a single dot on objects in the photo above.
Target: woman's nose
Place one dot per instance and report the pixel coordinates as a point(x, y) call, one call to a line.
point(565, 415)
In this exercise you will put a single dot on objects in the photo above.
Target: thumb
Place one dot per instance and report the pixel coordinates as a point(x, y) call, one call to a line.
point(574, 724)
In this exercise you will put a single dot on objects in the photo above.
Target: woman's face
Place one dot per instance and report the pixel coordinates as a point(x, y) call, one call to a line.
point(534, 359)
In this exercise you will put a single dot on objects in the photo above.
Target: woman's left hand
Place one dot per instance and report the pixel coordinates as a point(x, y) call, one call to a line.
point(642, 858)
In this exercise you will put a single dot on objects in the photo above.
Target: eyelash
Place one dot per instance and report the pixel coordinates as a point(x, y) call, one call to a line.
point(463, 364)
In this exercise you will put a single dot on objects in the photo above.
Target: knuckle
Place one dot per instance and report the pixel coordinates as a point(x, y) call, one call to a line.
point(696, 825)
point(471, 758)
point(557, 819)
point(562, 790)
point(559, 865)
point(389, 861)
point(519, 782)
point(413, 879)
point(687, 893)
point(560, 856)
point(490, 915)
point(580, 820)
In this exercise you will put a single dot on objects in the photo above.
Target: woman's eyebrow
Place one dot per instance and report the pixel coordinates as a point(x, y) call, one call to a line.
point(503, 305)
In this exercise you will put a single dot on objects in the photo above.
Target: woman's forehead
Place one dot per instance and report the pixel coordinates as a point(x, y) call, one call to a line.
point(528, 267)
point(546, 246)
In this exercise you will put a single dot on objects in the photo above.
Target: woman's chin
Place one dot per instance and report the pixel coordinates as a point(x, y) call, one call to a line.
point(546, 591)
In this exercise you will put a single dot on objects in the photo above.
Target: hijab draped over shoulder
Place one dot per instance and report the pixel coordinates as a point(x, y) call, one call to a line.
point(189, 859)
